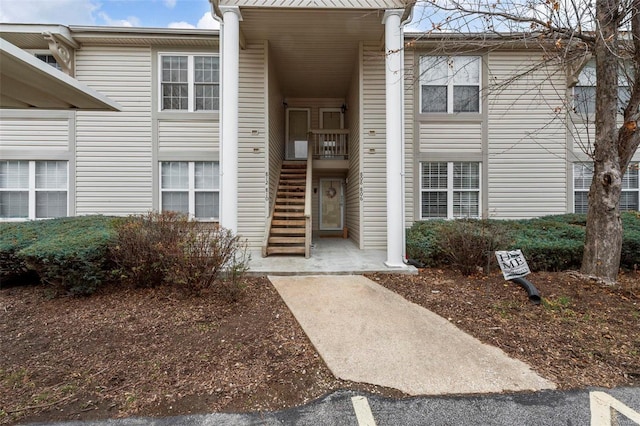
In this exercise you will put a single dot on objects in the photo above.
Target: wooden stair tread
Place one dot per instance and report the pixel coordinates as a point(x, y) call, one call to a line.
point(288, 214)
point(287, 231)
point(284, 222)
point(285, 250)
point(286, 240)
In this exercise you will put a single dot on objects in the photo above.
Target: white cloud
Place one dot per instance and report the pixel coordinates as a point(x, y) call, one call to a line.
point(181, 24)
point(207, 22)
point(65, 12)
point(131, 21)
point(170, 3)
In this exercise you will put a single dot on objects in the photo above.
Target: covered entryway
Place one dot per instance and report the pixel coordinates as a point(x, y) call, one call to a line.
point(330, 58)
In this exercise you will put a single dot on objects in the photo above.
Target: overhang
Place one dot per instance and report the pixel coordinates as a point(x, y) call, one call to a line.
point(28, 82)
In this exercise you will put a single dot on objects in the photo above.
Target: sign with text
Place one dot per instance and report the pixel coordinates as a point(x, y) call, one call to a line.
point(512, 263)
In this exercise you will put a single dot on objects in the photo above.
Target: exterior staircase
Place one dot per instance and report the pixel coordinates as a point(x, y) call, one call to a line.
point(288, 224)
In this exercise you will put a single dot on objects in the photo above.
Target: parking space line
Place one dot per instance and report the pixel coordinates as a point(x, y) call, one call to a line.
point(363, 411)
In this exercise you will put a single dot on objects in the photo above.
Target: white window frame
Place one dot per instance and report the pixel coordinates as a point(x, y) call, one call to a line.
point(585, 190)
point(33, 190)
point(191, 190)
point(450, 190)
point(191, 84)
point(450, 85)
point(591, 84)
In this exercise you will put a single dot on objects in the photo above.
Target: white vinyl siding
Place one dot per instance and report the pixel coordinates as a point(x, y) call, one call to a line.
point(114, 150)
point(276, 130)
point(409, 137)
point(527, 168)
point(448, 137)
point(33, 189)
point(450, 190)
point(34, 134)
point(188, 135)
point(189, 82)
point(352, 198)
point(583, 175)
point(450, 84)
point(252, 126)
point(373, 172)
point(191, 187)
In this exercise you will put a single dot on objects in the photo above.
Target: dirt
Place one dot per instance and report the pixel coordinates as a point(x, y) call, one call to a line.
point(158, 352)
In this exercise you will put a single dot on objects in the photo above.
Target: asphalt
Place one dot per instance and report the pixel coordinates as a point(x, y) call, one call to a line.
point(366, 333)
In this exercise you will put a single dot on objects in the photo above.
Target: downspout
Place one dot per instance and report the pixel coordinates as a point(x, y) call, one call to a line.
point(406, 18)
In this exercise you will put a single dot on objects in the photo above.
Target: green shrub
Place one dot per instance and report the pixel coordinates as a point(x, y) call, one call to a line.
point(552, 243)
point(169, 249)
point(70, 254)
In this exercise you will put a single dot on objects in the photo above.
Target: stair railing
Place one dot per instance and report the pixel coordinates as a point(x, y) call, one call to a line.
point(307, 201)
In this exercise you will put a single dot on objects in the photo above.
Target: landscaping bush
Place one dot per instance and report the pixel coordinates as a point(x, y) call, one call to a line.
point(551, 243)
point(169, 249)
point(69, 254)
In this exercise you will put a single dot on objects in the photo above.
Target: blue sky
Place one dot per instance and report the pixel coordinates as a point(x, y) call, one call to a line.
point(136, 13)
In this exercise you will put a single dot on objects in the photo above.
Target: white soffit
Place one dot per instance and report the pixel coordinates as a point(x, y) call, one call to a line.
point(28, 82)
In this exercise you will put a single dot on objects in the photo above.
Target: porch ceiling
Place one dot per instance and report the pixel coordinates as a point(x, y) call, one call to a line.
point(314, 50)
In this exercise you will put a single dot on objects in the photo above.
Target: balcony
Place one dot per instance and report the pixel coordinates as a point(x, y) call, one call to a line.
point(329, 144)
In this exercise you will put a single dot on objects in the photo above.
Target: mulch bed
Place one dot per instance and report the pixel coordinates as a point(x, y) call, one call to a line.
point(159, 352)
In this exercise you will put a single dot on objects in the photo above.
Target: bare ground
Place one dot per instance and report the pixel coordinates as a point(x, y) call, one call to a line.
point(158, 352)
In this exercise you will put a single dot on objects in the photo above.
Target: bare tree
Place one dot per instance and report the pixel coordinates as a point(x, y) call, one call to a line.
point(571, 32)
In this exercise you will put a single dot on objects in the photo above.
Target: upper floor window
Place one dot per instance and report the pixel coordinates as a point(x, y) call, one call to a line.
point(449, 190)
point(582, 176)
point(584, 93)
point(33, 189)
point(49, 59)
point(189, 82)
point(450, 84)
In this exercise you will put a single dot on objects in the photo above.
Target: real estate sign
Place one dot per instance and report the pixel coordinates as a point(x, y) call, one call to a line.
point(512, 263)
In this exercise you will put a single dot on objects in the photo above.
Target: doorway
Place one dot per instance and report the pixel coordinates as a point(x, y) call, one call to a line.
point(298, 123)
point(331, 204)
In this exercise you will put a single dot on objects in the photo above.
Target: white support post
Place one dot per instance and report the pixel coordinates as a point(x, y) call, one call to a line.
point(394, 80)
point(230, 58)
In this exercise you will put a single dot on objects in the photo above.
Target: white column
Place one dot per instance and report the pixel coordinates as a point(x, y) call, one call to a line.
point(394, 79)
point(229, 83)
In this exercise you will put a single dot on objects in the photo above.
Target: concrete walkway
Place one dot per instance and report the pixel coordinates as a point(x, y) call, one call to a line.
point(366, 333)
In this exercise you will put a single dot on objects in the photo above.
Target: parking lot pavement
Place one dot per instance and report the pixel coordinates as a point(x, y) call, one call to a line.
point(572, 408)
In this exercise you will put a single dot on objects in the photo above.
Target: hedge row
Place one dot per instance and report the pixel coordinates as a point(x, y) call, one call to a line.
point(69, 253)
point(550, 243)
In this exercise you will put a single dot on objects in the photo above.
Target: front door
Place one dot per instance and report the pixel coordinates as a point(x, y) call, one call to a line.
point(298, 122)
point(331, 204)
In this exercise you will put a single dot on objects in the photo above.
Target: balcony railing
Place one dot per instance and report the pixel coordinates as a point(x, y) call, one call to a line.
point(329, 144)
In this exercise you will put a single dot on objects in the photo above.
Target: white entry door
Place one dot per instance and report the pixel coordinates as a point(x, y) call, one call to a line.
point(331, 204)
point(298, 123)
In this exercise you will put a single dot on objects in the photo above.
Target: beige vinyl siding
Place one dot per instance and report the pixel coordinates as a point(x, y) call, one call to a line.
point(374, 187)
point(252, 208)
point(35, 134)
point(114, 150)
point(316, 4)
point(450, 137)
point(353, 205)
point(188, 135)
point(526, 138)
point(409, 102)
point(276, 130)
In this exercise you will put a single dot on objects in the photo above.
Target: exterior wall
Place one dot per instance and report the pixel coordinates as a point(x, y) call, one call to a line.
point(526, 138)
point(114, 150)
point(184, 136)
point(409, 138)
point(373, 114)
point(276, 132)
point(252, 140)
point(39, 131)
point(353, 203)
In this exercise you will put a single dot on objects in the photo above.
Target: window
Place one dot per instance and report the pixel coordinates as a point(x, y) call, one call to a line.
point(450, 84)
point(450, 190)
point(49, 59)
point(189, 83)
point(191, 187)
point(582, 176)
point(584, 93)
point(33, 189)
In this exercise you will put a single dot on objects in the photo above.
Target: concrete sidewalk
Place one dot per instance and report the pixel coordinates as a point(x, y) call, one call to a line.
point(366, 333)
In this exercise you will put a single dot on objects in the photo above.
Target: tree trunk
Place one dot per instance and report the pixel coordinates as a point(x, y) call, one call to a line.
point(603, 242)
